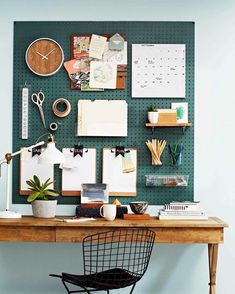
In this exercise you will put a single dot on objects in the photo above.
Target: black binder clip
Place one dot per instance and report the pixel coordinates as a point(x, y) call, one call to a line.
point(36, 151)
point(120, 150)
point(78, 150)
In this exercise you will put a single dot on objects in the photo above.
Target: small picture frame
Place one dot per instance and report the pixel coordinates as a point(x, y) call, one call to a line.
point(94, 193)
point(181, 111)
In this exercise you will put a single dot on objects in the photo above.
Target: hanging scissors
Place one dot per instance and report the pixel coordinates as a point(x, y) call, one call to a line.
point(38, 99)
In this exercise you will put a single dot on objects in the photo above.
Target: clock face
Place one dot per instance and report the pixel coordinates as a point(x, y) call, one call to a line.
point(44, 57)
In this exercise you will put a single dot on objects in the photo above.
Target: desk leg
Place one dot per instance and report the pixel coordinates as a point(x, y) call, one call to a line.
point(213, 257)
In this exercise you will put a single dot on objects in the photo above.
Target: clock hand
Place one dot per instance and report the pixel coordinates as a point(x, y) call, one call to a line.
point(48, 53)
point(43, 56)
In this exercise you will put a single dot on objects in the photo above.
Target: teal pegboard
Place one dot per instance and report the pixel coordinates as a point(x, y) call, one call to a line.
point(58, 86)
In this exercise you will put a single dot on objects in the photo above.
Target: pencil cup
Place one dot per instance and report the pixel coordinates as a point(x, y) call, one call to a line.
point(108, 211)
point(178, 160)
point(175, 152)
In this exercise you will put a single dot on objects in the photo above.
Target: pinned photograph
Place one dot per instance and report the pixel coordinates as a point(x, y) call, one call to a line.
point(181, 111)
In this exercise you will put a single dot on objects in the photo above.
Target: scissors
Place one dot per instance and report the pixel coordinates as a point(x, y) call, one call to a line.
point(38, 99)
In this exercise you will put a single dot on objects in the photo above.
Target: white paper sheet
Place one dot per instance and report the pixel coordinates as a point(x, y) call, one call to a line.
point(29, 167)
point(97, 45)
point(102, 118)
point(103, 75)
point(78, 170)
point(117, 57)
point(119, 182)
point(158, 70)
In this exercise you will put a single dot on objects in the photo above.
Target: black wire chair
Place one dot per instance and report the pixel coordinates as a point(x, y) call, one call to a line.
point(112, 260)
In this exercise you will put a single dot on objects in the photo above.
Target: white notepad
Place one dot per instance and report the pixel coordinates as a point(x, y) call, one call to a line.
point(106, 118)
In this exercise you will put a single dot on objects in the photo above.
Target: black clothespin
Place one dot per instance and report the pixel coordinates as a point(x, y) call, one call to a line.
point(37, 151)
point(78, 150)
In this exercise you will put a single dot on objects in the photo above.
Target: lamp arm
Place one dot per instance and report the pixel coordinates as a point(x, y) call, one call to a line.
point(27, 148)
point(8, 156)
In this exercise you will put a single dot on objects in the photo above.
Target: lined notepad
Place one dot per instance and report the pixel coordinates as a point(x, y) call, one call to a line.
point(106, 118)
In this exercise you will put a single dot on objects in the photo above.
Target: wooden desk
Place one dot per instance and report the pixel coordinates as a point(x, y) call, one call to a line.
point(30, 229)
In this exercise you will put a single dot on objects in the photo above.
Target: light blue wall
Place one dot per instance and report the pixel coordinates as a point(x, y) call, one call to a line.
point(177, 269)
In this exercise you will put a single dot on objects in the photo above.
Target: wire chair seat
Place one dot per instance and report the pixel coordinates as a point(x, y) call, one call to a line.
point(107, 280)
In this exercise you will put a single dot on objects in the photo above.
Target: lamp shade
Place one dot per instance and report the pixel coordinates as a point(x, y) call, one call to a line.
point(51, 155)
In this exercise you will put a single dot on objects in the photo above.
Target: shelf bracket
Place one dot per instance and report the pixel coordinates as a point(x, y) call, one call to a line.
point(153, 130)
point(184, 129)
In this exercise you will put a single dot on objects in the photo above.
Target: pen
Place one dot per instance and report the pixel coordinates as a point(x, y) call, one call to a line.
point(74, 220)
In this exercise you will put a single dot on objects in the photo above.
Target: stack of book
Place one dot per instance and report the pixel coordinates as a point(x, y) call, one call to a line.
point(182, 211)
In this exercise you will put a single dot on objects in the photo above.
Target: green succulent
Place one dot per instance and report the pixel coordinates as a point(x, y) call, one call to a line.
point(39, 190)
point(152, 108)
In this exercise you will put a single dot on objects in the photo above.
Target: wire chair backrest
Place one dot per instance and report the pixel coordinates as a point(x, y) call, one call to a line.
point(127, 249)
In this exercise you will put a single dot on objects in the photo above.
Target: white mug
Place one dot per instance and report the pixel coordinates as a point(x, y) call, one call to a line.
point(108, 211)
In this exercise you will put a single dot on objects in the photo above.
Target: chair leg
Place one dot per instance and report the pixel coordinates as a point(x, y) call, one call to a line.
point(107, 291)
point(132, 289)
point(85, 290)
point(66, 287)
point(69, 292)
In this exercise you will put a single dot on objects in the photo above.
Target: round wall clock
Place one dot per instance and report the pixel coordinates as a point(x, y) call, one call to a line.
point(44, 57)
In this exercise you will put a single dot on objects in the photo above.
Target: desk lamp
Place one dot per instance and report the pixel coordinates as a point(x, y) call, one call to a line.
point(50, 155)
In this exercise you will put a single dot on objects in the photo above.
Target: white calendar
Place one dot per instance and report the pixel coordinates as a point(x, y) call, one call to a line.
point(158, 70)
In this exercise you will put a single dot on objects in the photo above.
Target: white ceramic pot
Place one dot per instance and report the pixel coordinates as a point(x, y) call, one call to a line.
point(153, 117)
point(44, 208)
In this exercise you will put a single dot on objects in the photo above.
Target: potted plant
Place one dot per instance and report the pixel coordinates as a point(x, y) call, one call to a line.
point(152, 114)
point(41, 198)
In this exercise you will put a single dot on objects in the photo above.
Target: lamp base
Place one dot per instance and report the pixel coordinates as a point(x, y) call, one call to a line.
point(10, 214)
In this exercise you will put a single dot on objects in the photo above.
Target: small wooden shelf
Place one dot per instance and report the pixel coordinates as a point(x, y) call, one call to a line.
point(164, 125)
point(168, 125)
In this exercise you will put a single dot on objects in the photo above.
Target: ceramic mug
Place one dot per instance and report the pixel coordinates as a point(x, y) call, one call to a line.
point(108, 211)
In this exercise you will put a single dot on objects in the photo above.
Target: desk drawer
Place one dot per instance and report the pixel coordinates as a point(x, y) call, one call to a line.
point(189, 235)
point(27, 234)
point(77, 234)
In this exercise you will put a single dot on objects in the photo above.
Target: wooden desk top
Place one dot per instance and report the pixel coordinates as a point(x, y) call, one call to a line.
point(29, 221)
point(30, 229)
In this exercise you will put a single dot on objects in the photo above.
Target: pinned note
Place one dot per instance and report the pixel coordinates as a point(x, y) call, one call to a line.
point(97, 46)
